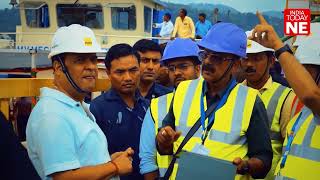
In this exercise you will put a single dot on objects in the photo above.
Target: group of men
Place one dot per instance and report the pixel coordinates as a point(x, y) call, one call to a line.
point(134, 130)
point(183, 27)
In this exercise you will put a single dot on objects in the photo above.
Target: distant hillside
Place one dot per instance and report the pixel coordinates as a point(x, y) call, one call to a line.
point(276, 14)
point(247, 21)
point(240, 5)
point(210, 7)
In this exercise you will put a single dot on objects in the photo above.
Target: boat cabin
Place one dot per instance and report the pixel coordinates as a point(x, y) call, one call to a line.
point(113, 21)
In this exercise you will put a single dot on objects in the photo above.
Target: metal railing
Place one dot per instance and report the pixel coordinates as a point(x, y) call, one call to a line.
point(30, 87)
point(14, 43)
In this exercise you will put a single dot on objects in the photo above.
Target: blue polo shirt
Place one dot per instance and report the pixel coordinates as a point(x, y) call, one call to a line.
point(203, 28)
point(157, 90)
point(121, 124)
point(63, 135)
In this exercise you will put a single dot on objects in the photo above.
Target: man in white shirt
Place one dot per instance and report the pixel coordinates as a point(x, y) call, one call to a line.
point(64, 140)
point(166, 28)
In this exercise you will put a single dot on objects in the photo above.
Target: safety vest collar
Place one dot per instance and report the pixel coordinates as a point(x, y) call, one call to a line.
point(219, 136)
point(162, 109)
point(188, 100)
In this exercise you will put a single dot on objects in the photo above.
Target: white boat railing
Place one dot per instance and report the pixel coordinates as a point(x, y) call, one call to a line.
point(97, 34)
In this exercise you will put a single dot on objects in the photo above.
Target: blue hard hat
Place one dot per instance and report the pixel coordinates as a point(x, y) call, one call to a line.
point(180, 48)
point(226, 38)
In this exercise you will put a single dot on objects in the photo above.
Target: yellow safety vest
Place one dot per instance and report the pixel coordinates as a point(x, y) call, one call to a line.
point(227, 137)
point(303, 160)
point(273, 99)
point(159, 108)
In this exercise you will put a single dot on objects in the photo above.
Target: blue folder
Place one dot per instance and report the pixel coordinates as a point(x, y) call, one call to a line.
point(194, 166)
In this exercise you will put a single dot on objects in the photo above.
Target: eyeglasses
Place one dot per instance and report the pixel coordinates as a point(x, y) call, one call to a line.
point(204, 54)
point(180, 67)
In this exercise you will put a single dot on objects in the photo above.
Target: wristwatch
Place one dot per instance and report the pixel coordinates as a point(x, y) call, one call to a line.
point(285, 48)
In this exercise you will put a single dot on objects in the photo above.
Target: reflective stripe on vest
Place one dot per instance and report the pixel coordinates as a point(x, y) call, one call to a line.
point(283, 178)
point(227, 138)
point(163, 107)
point(303, 160)
point(274, 98)
point(159, 109)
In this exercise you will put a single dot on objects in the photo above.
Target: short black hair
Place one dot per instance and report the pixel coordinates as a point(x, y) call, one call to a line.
point(145, 45)
point(58, 57)
point(269, 54)
point(117, 51)
point(195, 60)
point(163, 47)
point(168, 15)
point(184, 11)
point(203, 15)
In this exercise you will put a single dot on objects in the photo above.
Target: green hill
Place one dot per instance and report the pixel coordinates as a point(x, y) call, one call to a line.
point(247, 21)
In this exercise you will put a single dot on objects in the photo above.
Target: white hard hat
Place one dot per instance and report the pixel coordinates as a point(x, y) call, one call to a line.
point(315, 31)
point(74, 39)
point(308, 51)
point(254, 47)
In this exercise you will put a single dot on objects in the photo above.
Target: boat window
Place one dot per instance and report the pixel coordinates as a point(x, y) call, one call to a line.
point(124, 17)
point(37, 14)
point(89, 15)
point(147, 19)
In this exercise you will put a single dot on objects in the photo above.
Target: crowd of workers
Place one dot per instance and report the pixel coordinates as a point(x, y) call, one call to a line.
point(137, 129)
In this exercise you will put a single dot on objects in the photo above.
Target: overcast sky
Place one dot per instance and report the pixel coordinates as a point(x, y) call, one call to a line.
point(240, 5)
point(4, 4)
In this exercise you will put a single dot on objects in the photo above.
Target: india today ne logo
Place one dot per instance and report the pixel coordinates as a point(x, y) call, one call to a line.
point(296, 22)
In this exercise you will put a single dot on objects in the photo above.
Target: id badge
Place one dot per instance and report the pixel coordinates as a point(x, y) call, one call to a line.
point(200, 149)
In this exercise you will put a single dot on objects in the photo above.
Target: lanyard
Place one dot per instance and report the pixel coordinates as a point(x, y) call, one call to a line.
point(289, 143)
point(209, 122)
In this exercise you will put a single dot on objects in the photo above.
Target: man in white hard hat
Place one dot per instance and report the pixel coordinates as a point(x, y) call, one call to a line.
point(308, 54)
point(276, 97)
point(64, 141)
point(315, 32)
point(300, 159)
